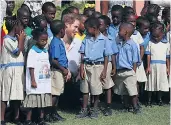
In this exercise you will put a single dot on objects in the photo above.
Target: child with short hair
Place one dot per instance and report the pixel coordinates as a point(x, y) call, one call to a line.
point(38, 78)
point(88, 12)
point(49, 11)
point(117, 13)
point(111, 70)
point(94, 50)
point(126, 63)
point(73, 9)
point(59, 65)
point(24, 16)
point(96, 14)
point(12, 65)
point(158, 63)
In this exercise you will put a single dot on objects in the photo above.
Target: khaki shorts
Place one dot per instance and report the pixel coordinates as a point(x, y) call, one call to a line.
point(92, 84)
point(125, 83)
point(108, 81)
point(57, 82)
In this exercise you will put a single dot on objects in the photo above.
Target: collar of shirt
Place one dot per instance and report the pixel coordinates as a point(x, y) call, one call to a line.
point(115, 27)
point(99, 37)
point(11, 37)
point(127, 42)
point(79, 36)
point(110, 37)
point(35, 48)
point(147, 35)
point(135, 32)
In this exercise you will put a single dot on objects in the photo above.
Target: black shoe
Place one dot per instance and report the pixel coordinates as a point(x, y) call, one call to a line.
point(17, 122)
point(48, 118)
point(83, 113)
point(57, 117)
point(93, 113)
point(136, 111)
point(3, 123)
point(149, 104)
point(107, 111)
point(160, 103)
point(139, 105)
point(42, 123)
point(29, 123)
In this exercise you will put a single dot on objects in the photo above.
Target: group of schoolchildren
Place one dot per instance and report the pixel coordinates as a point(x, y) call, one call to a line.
point(115, 56)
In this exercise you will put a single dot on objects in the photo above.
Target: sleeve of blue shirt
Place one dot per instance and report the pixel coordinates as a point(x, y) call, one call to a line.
point(136, 54)
point(55, 49)
point(82, 48)
point(108, 49)
point(114, 47)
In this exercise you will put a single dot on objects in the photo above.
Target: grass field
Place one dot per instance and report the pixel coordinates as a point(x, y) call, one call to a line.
point(156, 115)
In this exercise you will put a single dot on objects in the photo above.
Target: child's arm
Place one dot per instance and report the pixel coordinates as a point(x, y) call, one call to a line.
point(33, 82)
point(148, 70)
point(113, 65)
point(168, 66)
point(56, 64)
point(135, 66)
point(82, 73)
point(141, 52)
point(104, 7)
point(103, 74)
point(21, 38)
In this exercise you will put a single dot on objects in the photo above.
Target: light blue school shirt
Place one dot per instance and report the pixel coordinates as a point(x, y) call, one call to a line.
point(146, 40)
point(113, 30)
point(113, 46)
point(127, 55)
point(50, 34)
point(95, 50)
point(57, 51)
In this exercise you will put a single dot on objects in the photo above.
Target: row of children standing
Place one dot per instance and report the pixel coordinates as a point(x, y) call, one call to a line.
point(111, 57)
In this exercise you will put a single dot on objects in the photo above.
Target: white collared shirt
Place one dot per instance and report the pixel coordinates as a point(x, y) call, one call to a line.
point(74, 56)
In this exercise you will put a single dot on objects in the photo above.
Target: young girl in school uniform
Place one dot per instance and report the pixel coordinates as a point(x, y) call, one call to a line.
point(38, 80)
point(158, 66)
point(12, 63)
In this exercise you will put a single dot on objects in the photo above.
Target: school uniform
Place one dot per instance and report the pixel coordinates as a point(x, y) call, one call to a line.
point(94, 52)
point(137, 38)
point(113, 30)
point(125, 81)
point(11, 70)
point(57, 51)
point(41, 96)
point(50, 34)
point(108, 81)
point(157, 79)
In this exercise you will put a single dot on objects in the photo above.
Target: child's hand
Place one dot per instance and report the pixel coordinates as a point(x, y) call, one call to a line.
point(168, 71)
point(65, 72)
point(21, 36)
point(68, 77)
point(103, 76)
point(148, 70)
point(82, 73)
point(113, 72)
point(33, 84)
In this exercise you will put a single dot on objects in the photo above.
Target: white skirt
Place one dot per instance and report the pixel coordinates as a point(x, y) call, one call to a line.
point(140, 73)
point(157, 79)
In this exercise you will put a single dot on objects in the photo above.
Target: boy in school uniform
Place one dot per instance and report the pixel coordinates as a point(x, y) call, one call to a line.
point(94, 50)
point(126, 65)
point(59, 65)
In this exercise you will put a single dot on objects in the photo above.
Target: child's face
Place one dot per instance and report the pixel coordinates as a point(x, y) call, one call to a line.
point(116, 17)
point(24, 18)
point(10, 6)
point(62, 33)
point(42, 40)
point(122, 32)
point(72, 29)
point(132, 19)
point(144, 28)
point(43, 24)
point(81, 27)
point(103, 26)
point(50, 14)
point(157, 33)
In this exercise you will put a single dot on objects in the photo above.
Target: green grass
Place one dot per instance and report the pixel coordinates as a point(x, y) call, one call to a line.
point(156, 115)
